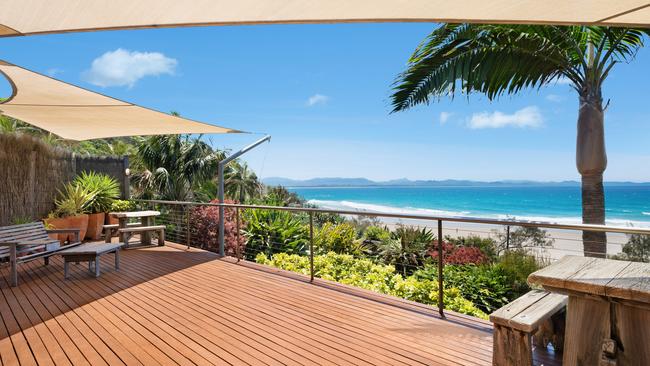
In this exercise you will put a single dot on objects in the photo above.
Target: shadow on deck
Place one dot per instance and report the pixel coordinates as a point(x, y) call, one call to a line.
point(173, 305)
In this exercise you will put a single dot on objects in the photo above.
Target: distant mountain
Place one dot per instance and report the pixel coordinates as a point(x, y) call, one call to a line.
point(363, 182)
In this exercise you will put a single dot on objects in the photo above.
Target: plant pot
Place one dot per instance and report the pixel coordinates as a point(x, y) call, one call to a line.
point(95, 226)
point(71, 222)
point(111, 220)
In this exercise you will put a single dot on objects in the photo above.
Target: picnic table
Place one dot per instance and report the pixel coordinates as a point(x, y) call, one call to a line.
point(146, 219)
point(608, 312)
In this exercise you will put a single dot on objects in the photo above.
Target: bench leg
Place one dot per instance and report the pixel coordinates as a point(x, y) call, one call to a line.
point(46, 260)
point(66, 268)
point(161, 238)
point(108, 234)
point(90, 266)
point(511, 347)
point(14, 270)
point(117, 259)
point(97, 267)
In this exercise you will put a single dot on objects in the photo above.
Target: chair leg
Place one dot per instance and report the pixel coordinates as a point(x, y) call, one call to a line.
point(117, 259)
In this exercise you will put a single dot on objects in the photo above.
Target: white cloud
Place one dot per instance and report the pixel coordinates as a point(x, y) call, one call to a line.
point(317, 99)
point(124, 68)
point(444, 117)
point(555, 98)
point(523, 118)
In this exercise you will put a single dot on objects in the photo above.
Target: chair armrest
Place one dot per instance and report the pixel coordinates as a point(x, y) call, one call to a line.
point(26, 242)
point(63, 231)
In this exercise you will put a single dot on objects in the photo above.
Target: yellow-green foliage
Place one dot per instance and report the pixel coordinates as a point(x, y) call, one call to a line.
point(338, 238)
point(366, 274)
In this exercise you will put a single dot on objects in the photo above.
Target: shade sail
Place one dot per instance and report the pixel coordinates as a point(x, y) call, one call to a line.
point(23, 17)
point(78, 114)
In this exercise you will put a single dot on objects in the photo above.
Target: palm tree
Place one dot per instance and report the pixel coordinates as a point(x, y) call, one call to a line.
point(504, 59)
point(241, 183)
point(171, 167)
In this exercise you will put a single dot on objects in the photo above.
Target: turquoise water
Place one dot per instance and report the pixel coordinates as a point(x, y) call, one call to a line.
point(624, 204)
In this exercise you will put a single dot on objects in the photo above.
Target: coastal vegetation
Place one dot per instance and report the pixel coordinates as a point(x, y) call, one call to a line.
point(505, 59)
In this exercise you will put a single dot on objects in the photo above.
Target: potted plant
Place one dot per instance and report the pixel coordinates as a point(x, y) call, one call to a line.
point(70, 212)
point(106, 190)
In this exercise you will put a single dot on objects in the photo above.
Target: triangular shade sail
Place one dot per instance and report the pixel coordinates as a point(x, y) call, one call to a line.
point(75, 113)
point(23, 17)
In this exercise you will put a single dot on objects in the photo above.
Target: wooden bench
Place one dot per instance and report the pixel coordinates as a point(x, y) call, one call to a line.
point(112, 229)
point(160, 229)
point(26, 242)
point(91, 253)
point(539, 314)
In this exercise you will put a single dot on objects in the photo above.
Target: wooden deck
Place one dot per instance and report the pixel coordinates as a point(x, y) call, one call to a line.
point(168, 305)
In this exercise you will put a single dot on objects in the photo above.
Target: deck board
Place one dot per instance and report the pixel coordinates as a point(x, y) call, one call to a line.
point(172, 306)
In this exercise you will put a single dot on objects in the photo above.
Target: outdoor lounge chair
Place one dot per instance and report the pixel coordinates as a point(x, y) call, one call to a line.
point(26, 242)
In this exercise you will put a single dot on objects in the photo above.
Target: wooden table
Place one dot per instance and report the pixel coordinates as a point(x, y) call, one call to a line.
point(608, 313)
point(146, 218)
point(91, 253)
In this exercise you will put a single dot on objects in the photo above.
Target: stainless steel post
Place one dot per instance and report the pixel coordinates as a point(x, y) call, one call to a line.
point(441, 304)
point(311, 246)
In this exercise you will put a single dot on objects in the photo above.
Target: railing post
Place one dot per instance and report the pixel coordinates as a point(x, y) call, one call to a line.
point(221, 211)
point(187, 210)
point(441, 304)
point(311, 246)
point(237, 243)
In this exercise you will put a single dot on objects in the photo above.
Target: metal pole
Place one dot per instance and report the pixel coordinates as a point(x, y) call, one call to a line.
point(441, 305)
point(311, 246)
point(221, 165)
point(221, 211)
point(237, 244)
point(507, 237)
point(187, 209)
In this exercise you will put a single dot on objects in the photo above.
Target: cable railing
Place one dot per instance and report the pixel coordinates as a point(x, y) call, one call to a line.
point(196, 224)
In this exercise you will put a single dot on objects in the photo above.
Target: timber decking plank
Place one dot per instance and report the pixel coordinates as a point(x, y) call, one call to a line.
point(222, 292)
point(171, 306)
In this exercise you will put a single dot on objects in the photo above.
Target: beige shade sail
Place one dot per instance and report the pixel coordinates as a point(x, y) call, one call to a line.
point(75, 113)
point(24, 17)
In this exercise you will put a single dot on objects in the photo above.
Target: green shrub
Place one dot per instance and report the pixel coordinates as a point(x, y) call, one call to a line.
point(406, 248)
point(636, 249)
point(381, 278)
point(105, 189)
point(270, 231)
point(122, 206)
point(517, 265)
point(336, 238)
point(485, 286)
point(376, 233)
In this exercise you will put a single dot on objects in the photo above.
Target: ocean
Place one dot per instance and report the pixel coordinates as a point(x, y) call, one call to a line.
point(625, 204)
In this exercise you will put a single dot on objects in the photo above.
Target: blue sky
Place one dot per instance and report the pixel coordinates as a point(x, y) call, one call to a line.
point(322, 92)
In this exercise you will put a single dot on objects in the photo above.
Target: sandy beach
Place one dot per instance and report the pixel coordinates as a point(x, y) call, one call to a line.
point(565, 242)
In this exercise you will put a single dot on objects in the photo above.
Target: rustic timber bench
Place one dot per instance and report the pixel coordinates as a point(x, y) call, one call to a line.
point(112, 229)
point(91, 253)
point(539, 314)
point(27, 242)
point(160, 229)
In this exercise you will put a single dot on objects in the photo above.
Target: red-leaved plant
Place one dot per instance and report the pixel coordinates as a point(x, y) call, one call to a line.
point(452, 254)
point(204, 224)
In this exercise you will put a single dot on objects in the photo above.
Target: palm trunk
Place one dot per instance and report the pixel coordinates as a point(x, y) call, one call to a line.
point(591, 161)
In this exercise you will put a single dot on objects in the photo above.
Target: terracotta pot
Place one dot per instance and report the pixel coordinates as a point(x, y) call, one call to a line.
point(71, 222)
point(95, 226)
point(110, 220)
